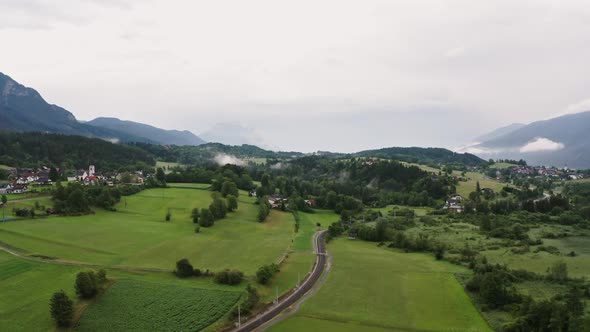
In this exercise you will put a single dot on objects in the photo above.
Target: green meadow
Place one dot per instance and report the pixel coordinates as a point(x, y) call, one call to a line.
point(466, 187)
point(136, 234)
point(376, 289)
point(26, 288)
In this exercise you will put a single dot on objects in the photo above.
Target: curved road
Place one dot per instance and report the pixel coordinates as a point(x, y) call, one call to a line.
point(276, 309)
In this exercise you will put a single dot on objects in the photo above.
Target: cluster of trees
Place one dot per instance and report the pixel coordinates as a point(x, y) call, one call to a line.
point(229, 277)
point(264, 208)
point(184, 269)
point(87, 285)
point(232, 176)
point(78, 199)
point(266, 272)
point(249, 304)
point(218, 209)
point(494, 285)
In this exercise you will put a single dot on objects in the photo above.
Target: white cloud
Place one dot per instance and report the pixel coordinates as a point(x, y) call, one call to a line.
point(223, 159)
point(455, 52)
point(581, 106)
point(195, 63)
point(542, 144)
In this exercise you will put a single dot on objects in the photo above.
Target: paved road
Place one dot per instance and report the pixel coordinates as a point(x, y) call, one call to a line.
point(286, 302)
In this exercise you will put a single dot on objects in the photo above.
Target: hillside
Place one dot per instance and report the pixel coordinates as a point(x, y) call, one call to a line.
point(558, 142)
point(23, 109)
point(147, 132)
point(34, 149)
point(500, 132)
point(427, 156)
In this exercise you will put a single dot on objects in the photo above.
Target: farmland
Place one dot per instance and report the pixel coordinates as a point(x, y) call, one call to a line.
point(376, 289)
point(26, 288)
point(149, 306)
point(137, 235)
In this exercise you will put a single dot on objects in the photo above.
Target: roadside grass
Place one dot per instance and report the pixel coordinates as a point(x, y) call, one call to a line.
point(137, 235)
point(300, 258)
point(156, 307)
point(375, 289)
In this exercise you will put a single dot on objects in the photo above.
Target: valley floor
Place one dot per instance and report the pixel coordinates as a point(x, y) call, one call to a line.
point(376, 289)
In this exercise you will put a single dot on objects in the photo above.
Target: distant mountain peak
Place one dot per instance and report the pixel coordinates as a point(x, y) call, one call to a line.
point(162, 136)
point(24, 109)
point(559, 141)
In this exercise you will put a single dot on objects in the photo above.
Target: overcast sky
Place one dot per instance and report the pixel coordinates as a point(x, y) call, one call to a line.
point(306, 75)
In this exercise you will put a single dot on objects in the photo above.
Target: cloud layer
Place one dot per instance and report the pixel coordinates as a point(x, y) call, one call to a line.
point(541, 144)
point(271, 65)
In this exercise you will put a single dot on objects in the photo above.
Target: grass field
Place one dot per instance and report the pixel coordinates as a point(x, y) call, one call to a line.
point(502, 165)
point(466, 187)
point(26, 288)
point(578, 266)
point(376, 289)
point(156, 307)
point(136, 235)
point(167, 166)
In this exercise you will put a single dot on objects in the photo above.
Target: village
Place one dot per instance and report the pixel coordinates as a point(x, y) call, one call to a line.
point(21, 181)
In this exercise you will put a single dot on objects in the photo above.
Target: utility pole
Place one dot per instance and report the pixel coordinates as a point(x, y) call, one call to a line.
point(298, 279)
point(277, 294)
point(239, 317)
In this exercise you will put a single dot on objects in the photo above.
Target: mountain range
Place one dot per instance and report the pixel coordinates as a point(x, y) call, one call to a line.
point(561, 141)
point(23, 109)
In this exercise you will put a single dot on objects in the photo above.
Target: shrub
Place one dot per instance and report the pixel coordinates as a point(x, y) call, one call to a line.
point(195, 215)
point(61, 309)
point(558, 272)
point(184, 268)
point(229, 277)
point(101, 276)
point(232, 203)
point(206, 219)
point(218, 208)
point(265, 273)
point(86, 284)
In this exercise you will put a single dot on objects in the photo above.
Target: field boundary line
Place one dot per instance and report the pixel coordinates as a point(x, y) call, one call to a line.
point(81, 264)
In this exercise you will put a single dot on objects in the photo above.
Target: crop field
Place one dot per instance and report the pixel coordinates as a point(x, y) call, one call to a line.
point(376, 289)
point(156, 307)
point(137, 235)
